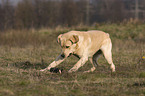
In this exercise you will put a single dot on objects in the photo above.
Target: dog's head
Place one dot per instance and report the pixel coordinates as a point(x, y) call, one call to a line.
point(68, 42)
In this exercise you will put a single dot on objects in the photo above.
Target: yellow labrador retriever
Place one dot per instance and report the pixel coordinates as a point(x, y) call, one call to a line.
point(85, 45)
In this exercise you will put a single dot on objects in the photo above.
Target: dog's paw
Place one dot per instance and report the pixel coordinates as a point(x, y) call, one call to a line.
point(91, 70)
point(72, 70)
point(87, 71)
point(43, 70)
point(113, 68)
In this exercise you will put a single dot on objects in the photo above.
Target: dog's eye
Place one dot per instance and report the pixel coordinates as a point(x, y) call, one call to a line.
point(67, 46)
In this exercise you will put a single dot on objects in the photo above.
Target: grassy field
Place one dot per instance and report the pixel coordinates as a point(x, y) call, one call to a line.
point(24, 52)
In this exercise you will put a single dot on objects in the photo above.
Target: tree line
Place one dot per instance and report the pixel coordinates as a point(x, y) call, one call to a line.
point(51, 13)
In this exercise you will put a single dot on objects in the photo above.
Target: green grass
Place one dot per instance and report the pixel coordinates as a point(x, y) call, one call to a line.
point(24, 52)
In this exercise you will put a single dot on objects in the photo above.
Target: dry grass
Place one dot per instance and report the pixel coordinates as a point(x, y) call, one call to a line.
point(23, 53)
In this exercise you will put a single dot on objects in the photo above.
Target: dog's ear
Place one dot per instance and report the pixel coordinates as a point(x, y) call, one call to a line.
point(74, 39)
point(59, 38)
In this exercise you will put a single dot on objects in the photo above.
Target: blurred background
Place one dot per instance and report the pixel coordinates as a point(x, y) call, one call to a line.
point(26, 14)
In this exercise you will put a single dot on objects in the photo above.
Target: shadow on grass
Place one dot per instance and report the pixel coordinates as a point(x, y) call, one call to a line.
point(29, 65)
point(137, 84)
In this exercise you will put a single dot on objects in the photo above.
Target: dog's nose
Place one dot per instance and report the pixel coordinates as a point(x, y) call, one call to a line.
point(62, 55)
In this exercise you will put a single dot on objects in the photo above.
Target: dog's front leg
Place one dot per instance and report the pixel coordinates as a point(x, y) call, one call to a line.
point(80, 63)
point(58, 60)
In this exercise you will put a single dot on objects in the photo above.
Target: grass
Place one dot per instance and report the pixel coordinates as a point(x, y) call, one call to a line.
point(24, 52)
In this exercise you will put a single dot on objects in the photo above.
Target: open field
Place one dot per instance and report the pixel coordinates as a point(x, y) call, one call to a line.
point(23, 53)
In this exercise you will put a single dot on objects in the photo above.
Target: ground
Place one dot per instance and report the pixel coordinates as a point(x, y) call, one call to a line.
point(24, 52)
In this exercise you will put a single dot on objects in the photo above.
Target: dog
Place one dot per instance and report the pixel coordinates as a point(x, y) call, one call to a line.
point(86, 45)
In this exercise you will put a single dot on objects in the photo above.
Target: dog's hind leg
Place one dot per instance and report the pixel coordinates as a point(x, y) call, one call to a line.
point(93, 61)
point(106, 49)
